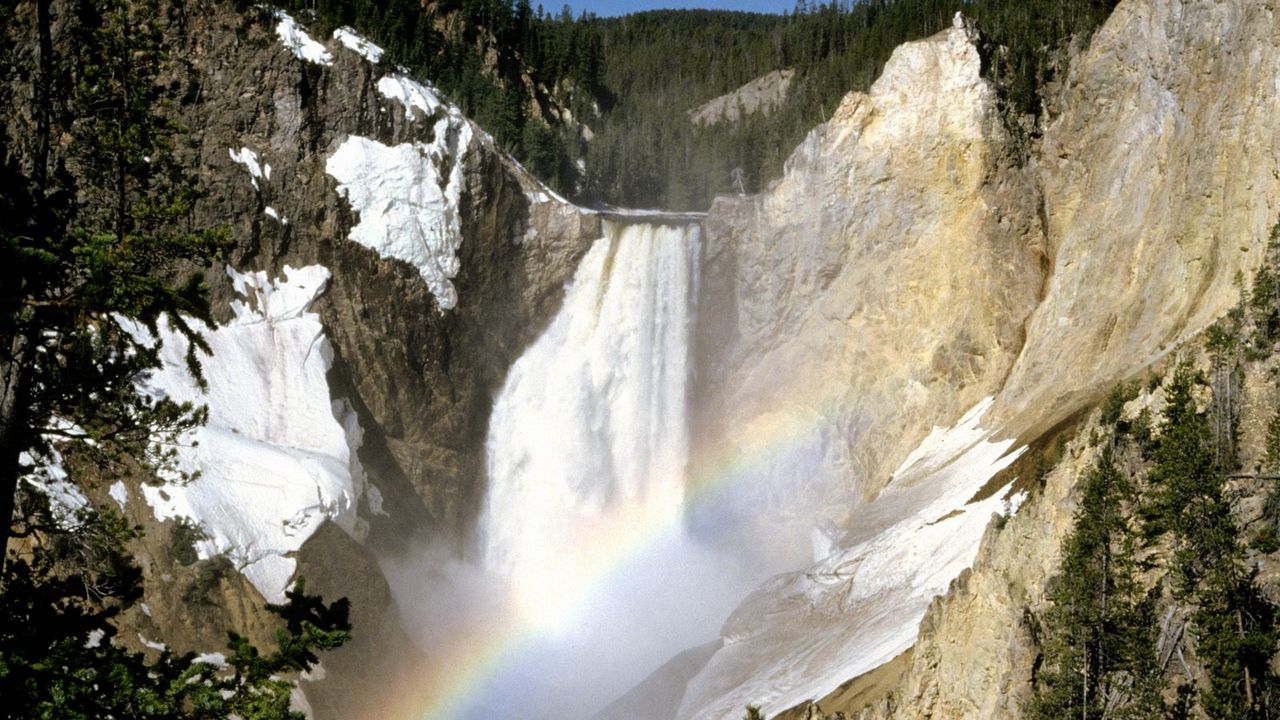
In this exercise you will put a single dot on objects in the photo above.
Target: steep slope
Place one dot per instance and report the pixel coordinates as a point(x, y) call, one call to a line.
point(434, 292)
point(763, 94)
point(1159, 185)
point(885, 279)
point(890, 264)
point(431, 293)
point(1176, 186)
point(878, 334)
point(1153, 189)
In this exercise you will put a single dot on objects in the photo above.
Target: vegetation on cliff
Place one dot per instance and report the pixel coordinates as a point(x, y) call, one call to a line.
point(96, 230)
point(1159, 567)
point(632, 80)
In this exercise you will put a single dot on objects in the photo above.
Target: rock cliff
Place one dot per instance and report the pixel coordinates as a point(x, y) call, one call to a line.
point(1143, 205)
point(1159, 188)
point(878, 289)
point(420, 376)
point(883, 331)
point(420, 342)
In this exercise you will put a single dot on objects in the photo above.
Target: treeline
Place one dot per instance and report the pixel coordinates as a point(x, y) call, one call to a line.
point(1157, 611)
point(513, 68)
point(632, 81)
point(660, 65)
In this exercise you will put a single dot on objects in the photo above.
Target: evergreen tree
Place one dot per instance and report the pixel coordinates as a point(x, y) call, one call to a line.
point(1271, 457)
point(1182, 463)
point(1264, 297)
point(1234, 626)
point(1236, 636)
point(92, 230)
point(105, 236)
point(1099, 656)
point(59, 660)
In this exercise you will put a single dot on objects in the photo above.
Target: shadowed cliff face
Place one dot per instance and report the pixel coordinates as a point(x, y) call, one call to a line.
point(421, 379)
point(422, 376)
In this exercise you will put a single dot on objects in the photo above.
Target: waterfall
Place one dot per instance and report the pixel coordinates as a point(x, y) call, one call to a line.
point(588, 438)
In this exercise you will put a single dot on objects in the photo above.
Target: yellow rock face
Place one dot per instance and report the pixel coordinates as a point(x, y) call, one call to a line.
point(905, 268)
point(1160, 185)
point(878, 289)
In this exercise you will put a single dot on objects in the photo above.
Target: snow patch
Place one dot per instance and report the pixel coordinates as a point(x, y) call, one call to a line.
point(249, 159)
point(299, 42)
point(275, 215)
point(216, 659)
point(119, 493)
point(545, 193)
point(862, 604)
point(298, 703)
point(358, 44)
point(407, 196)
point(274, 461)
point(49, 476)
point(374, 496)
point(1014, 503)
point(152, 643)
point(411, 94)
point(95, 638)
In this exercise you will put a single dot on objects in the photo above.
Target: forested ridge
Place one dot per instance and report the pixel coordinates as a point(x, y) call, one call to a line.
point(632, 80)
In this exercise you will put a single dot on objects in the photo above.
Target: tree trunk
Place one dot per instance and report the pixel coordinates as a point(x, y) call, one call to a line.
point(1248, 679)
point(13, 430)
point(43, 109)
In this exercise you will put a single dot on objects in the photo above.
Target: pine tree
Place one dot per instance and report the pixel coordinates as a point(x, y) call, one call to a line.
point(1183, 461)
point(1098, 639)
point(1234, 626)
point(59, 659)
point(1236, 636)
point(90, 232)
point(106, 235)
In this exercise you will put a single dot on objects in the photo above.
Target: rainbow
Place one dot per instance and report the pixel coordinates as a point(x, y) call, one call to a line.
point(460, 674)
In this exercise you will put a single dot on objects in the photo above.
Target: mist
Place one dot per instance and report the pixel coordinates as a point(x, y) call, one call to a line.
point(673, 595)
point(582, 576)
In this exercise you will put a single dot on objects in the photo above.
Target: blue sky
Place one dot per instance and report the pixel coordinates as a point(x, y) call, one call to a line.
point(621, 7)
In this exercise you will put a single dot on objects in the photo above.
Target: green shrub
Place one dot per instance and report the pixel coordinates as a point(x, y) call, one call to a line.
point(209, 575)
point(183, 536)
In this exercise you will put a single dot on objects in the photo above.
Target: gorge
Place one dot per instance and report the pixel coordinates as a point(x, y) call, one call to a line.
point(589, 462)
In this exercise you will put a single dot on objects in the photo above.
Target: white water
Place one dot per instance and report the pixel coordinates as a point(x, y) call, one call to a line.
point(589, 435)
point(587, 448)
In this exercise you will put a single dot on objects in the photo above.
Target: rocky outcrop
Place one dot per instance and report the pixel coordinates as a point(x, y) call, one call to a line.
point(265, 107)
point(1160, 185)
point(878, 289)
point(420, 377)
point(1128, 231)
point(763, 95)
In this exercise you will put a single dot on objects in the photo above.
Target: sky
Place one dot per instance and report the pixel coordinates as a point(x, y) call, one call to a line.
point(607, 8)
